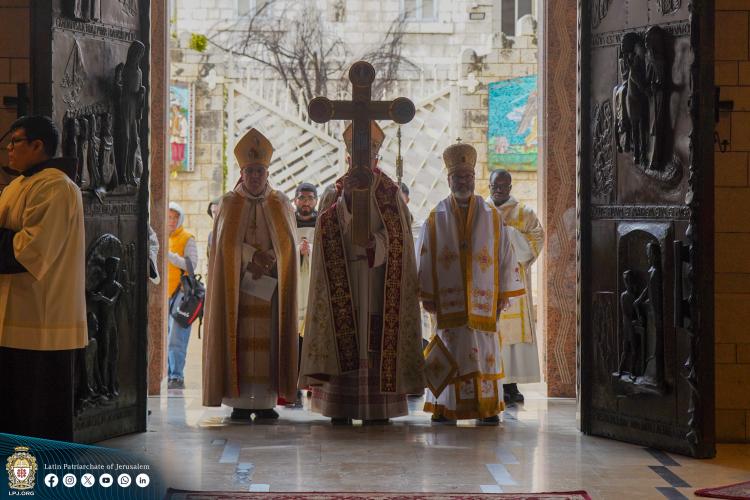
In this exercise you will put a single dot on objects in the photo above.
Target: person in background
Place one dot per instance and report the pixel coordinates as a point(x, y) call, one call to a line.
point(213, 209)
point(182, 246)
point(305, 199)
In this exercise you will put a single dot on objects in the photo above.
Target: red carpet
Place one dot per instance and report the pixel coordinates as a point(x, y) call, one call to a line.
point(226, 495)
point(739, 491)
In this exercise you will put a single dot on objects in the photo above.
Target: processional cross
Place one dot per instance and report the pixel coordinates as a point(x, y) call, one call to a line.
point(361, 110)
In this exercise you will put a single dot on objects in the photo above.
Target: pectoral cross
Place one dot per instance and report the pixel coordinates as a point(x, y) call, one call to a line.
point(361, 110)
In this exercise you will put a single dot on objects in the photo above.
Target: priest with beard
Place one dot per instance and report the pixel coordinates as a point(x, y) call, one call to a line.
point(467, 274)
point(362, 351)
point(305, 200)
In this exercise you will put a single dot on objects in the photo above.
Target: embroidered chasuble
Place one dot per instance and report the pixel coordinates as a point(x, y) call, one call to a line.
point(466, 267)
point(362, 351)
point(250, 352)
point(517, 324)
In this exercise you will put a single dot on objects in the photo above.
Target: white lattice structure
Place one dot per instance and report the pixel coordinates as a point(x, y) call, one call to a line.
point(309, 152)
point(304, 151)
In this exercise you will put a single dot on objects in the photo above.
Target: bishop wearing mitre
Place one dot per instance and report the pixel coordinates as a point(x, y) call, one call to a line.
point(467, 274)
point(250, 346)
point(362, 352)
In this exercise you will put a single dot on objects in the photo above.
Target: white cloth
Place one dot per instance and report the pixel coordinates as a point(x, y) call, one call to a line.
point(517, 324)
point(303, 286)
point(451, 276)
point(466, 264)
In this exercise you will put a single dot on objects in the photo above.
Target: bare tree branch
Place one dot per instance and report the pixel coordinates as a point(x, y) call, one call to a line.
point(292, 39)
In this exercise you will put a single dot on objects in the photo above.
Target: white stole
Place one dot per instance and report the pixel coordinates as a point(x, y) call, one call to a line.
point(465, 264)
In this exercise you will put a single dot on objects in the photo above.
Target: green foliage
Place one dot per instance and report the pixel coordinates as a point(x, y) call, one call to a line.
point(198, 42)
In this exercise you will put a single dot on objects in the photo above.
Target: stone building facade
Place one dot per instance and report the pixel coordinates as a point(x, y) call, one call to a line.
point(456, 45)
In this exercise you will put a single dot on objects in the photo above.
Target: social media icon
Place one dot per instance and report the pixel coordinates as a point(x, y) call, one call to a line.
point(142, 480)
point(51, 480)
point(88, 480)
point(124, 480)
point(105, 480)
point(69, 480)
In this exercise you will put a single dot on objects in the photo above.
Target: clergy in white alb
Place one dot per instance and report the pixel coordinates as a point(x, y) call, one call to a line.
point(42, 284)
point(467, 273)
point(517, 324)
point(362, 351)
point(250, 345)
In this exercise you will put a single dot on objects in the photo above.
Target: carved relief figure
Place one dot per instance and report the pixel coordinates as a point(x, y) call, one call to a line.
point(622, 120)
point(130, 98)
point(107, 153)
point(599, 10)
point(95, 9)
point(632, 328)
point(71, 131)
point(669, 6)
point(89, 386)
point(656, 76)
point(107, 297)
point(84, 10)
point(651, 302)
point(97, 374)
point(95, 181)
point(636, 100)
point(603, 150)
point(642, 109)
point(83, 153)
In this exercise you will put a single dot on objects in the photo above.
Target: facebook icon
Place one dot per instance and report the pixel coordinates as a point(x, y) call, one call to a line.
point(51, 480)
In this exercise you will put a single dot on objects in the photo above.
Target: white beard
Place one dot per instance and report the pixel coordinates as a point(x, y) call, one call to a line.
point(462, 195)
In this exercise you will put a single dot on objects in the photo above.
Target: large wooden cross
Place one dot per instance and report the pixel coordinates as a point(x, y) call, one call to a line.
point(361, 110)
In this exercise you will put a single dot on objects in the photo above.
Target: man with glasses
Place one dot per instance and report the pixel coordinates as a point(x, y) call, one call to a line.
point(467, 273)
point(518, 324)
point(250, 345)
point(42, 291)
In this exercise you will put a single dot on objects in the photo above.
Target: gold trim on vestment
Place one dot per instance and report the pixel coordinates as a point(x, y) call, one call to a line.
point(339, 290)
point(483, 411)
point(283, 236)
point(232, 241)
point(386, 195)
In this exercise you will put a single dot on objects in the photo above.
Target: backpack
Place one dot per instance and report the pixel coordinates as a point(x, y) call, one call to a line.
point(190, 307)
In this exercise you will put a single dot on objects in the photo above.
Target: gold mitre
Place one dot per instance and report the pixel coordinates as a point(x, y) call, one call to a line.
point(377, 136)
point(459, 156)
point(253, 149)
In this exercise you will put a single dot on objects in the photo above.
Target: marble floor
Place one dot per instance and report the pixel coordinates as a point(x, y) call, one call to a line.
point(536, 448)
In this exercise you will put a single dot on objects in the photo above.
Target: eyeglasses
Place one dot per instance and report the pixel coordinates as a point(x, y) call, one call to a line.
point(16, 140)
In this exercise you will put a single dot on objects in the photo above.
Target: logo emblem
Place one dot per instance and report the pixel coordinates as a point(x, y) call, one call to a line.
point(88, 480)
point(21, 467)
point(142, 480)
point(51, 480)
point(69, 480)
point(105, 480)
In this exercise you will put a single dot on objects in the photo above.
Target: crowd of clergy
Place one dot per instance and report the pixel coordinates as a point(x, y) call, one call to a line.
point(295, 300)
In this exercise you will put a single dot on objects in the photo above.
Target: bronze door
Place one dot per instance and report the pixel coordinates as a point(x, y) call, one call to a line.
point(90, 73)
point(646, 222)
